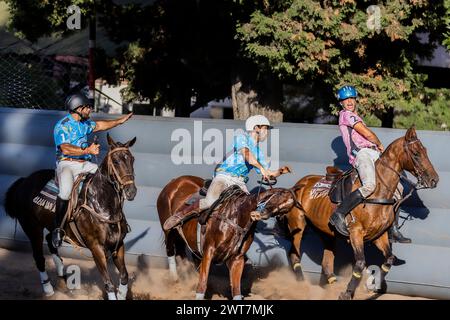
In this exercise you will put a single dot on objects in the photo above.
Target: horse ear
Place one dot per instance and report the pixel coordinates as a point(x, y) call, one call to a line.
point(110, 140)
point(130, 143)
point(411, 133)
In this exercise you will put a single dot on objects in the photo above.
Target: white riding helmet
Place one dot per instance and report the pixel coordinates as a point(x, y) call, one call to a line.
point(258, 120)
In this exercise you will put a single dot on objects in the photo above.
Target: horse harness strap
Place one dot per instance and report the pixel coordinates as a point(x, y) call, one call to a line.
point(240, 231)
point(112, 168)
point(71, 218)
point(181, 233)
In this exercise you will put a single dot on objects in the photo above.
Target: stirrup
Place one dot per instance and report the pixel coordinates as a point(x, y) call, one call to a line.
point(58, 235)
point(339, 224)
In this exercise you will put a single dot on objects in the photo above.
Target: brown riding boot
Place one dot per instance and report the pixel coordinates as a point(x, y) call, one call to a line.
point(181, 215)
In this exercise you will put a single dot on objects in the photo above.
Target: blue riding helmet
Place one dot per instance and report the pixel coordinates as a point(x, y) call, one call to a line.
point(346, 92)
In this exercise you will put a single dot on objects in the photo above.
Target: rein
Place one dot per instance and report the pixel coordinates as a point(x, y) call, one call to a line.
point(413, 185)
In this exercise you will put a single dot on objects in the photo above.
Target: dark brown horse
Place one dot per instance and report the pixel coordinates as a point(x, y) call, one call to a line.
point(367, 222)
point(98, 215)
point(229, 231)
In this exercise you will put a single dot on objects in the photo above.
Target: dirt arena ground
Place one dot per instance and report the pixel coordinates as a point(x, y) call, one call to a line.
point(19, 279)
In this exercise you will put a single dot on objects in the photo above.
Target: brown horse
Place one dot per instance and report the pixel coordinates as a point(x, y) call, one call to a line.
point(228, 232)
point(98, 217)
point(367, 222)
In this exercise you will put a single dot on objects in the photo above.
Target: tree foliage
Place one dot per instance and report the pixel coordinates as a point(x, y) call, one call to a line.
point(173, 50)
point(330, 43)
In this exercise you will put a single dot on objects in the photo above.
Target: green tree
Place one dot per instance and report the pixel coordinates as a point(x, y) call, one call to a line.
point(172, 50)
point(331, 43)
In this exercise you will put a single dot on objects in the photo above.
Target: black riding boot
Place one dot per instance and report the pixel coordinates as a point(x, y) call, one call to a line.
point(396, 236)
point(60, 212)
point(338, 218)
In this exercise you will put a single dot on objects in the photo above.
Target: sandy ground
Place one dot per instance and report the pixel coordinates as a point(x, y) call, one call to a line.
point(19, 279)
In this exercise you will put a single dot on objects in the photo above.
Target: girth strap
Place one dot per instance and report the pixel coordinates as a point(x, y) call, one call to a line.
point(380, 201)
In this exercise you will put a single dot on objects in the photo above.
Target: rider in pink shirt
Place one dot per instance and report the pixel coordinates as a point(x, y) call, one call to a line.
point(363, 150)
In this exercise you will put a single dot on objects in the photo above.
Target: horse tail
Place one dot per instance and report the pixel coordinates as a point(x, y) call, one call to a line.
point(10, 199)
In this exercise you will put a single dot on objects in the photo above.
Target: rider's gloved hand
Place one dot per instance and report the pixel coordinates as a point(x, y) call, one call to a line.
point(93, 149)
point(266, 174)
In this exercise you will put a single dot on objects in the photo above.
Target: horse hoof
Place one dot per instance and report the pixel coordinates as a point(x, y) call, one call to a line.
point(298, 272)
point(238, 297)
point(112, 296)
point(345, 296)
point(199, 296)
point(122, 292)
point(48, 289)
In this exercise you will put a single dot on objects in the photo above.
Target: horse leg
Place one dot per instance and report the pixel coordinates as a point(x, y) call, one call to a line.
point(383, 244)
point(119, 261)
point(98, 253)
point(58, 261)
point(204, 272)
point(357, 241)
point(328, 259)
point(297, 224)
point(36, 236)
point(170, 251)
point(236, 266)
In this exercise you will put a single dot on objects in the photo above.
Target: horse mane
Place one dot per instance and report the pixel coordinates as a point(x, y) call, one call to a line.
point(230, 196)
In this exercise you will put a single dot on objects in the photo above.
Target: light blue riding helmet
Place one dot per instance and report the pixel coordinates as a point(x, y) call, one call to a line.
point(347, 92)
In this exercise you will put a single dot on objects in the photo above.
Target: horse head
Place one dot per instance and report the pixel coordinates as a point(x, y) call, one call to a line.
point(276, 201)
point(415, 160)
point(120, 166)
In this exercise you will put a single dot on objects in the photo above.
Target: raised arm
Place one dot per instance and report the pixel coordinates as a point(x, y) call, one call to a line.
point(102, 125)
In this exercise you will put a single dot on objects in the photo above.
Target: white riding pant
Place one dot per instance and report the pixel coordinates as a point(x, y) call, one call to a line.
point(68, 171)
point(365, 164)
point(219, 183)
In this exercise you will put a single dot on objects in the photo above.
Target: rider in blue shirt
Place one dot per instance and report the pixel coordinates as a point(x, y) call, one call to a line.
point(235, 165)
point(69, 130)
point(245, 155)
point(73, 153)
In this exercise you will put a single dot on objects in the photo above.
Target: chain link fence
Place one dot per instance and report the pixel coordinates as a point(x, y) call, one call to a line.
point(38, 80)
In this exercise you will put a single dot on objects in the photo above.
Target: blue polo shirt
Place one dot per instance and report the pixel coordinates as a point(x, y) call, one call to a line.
point(68, 130)
point(235, 164)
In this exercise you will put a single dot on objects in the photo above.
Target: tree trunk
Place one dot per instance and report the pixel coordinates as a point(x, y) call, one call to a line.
point(182, 101)
point(247, 100)
point(387, 118)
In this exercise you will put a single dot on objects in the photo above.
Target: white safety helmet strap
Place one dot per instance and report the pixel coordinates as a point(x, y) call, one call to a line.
point(258, 120)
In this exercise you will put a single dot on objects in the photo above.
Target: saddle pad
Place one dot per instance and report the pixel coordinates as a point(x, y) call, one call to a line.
point(321, 188)
point(47, 196)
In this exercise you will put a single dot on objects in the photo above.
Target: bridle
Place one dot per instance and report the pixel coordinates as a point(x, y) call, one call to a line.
point(417, 168)
point(113, 172)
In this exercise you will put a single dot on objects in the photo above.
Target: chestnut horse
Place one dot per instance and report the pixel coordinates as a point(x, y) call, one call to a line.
point(228, 232)
point(367, 222)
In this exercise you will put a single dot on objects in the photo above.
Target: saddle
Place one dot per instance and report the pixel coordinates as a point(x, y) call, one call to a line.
point(342, 183)
point(47, 196)
point(204, 214)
